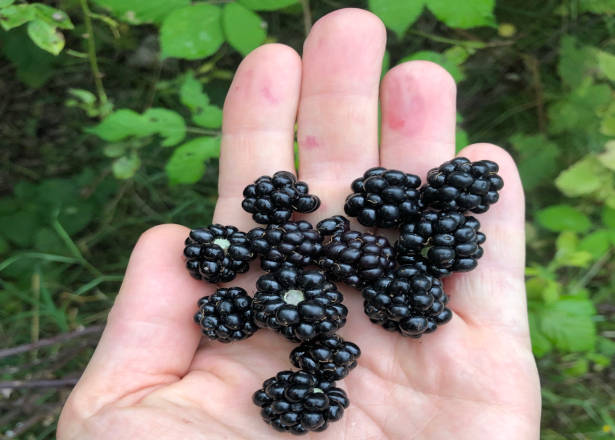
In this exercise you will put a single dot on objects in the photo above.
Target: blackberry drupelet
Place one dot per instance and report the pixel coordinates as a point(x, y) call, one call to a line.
point(299, 402)
point(445, 242)
point(384, 198)
point(226, 316)
point(297, 243)
point(328, 357)
point(461, 185)
point(353, 257)
point(217, 253)
point(408, 300)
point(272, 200)
point(299, 304)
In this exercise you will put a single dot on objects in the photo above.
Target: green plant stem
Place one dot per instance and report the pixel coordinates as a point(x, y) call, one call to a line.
point(594, 270)
point(307, 16)
point(100, 90)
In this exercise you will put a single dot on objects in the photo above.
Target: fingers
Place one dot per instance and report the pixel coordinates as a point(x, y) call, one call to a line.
point(150, 338)
point(338, 112)
point(258, 128)
point(493, 294)
point(418, 117)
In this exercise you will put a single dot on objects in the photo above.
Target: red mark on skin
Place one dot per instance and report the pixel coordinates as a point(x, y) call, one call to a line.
point(310, 142)
point(404, 106)
point(266, 91)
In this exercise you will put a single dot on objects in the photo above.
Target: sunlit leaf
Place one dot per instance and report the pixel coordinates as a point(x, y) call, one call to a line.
point(397, 15)
point(187, 164)
point(244, 29)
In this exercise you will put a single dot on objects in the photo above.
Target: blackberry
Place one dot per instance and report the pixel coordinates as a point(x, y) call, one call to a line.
point(384, 198)
point(328, 357)
point(294, 242)
point(226, 315)
point(353, 257)
point(299, 402)
point(446, 242)
point(299, 304)
point(272, 200)
point(461, 185)
point(408, 300)
point(217, 253)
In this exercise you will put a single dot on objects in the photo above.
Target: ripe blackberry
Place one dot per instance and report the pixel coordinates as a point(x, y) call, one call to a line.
point(445, 241)
point(272, 200)
point(353, 257)
point(226, 315)
point(217, 253)
point(384, 198)
point(299, 402)
point(294, 242)
point(408, 300)
point(461, 185)
point(299, 304)
point(328, 357)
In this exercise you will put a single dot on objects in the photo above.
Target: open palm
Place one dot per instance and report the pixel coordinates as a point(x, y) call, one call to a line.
point(474, 378)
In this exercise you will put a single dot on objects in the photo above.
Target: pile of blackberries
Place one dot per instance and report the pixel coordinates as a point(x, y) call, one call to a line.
point(401, 283)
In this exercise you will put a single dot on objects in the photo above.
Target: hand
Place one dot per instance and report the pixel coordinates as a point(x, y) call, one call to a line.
point(152, 377)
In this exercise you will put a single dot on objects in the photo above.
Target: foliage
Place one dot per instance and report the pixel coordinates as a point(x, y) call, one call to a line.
point(112, 120)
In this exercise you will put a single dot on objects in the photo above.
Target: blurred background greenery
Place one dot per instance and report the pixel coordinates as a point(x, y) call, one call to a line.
point(110, 112)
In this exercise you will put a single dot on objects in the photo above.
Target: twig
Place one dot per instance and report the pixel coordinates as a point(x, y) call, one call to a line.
point(51, 383)
point(102, 96)
point(594, 270)
point(63, 337)
point(307, 16)
point(32, 421)
point(533, 65)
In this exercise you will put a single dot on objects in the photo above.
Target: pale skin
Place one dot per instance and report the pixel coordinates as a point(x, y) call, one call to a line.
point(153, 377)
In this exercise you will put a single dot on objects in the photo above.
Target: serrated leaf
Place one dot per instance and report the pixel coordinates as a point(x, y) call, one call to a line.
point(606, 63)
point(596, 243)
point(540, 343)
point(46, 36)
point(563, 218)
point(192, 32)
point(465, 14)
point(244, 30)
point(575, 62)
point(168, 124)
point(52, 16)
point(597, 6)
point(579, 109)
point(191, 94)
point(16, 15)
point(5, 3)
point(583, 177)
point(125, 167)
point(397, 15)
point(608, 157)
point(608, 217)
point(568, 253)
point(267, 5)
point(537, 159)
point(187, 164)
point(210, 117)
point(568, 324)
point(578, 368)
point(139, 11)
point(437, 58)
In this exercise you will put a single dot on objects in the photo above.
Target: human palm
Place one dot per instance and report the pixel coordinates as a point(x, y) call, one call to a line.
point(475, 378)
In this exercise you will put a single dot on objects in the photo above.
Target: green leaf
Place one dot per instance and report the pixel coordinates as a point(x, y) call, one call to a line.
point(596, 243)
point(583, 177)
point(124, 123)
point(606, 63)
point(5, 3)
point(244, 29)
point(563, 218)
point(464, 14)
point(578, 368)
point(17, 228)
point(537, 159)
point(597, 6)
point(125, 167)
point(569, 324)
point(606, 346)
point(397, 15)
point(579, 110)
point(192, 32)
point(46, 36)
point(386, 63)
point(34, 66)
point(266, 5)
point(4, 246)
point(168, 124)
point(575, 63)
point(437, 58)
point(16, 15)
point(608, 217)
point(540, 343)
point(191, 94)
point(52, 16)
point(608, 157)
point(114, 150)
point(139, 11)
point(210, 117)
point(187, 164)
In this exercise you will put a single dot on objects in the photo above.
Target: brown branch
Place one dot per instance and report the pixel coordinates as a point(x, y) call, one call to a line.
point(307, 16)
point(51, 383)
point(63, 337)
